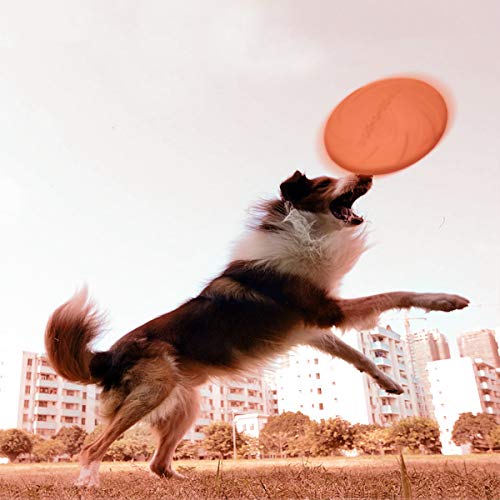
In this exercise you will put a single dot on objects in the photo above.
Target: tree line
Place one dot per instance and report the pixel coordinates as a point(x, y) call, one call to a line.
point(287, 435)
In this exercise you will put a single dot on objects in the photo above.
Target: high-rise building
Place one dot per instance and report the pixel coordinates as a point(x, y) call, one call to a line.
point(47, 402)
point(323, 387)
point(458, 386)
point(425, 346)
point(480, 344)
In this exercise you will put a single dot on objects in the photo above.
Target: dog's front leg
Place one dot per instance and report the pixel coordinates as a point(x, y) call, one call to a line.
point(329, 343)
point(363, 313)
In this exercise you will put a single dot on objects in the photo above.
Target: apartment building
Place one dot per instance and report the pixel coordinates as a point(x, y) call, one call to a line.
point(425, 346)
point(480, 344)
point(458, 386)
point(323, 387)
point(47, 402)
point(224, 400)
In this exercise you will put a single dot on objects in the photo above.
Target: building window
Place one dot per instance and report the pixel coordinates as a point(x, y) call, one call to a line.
point(320, 391)
point(316, 361)
point(30, 362)
point(83, 421)
point(26, 403)
point(321, 406)
point(318, 376)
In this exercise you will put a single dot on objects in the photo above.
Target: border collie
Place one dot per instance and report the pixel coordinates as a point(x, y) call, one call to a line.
point(279, 290)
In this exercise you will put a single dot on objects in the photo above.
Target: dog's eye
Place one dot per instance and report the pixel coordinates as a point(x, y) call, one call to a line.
point(323, 184)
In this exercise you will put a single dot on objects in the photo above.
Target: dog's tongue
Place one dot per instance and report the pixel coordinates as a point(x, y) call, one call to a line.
point(347, 215)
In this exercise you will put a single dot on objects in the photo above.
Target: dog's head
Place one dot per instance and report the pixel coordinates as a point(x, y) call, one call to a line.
point(327, 195)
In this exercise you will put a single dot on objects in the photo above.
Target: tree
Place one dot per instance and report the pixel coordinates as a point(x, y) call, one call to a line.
point(285, 435)
point(495, 438)
point(252, 447)
point(187, 450)
point(136, 443)
point(218, 440)
point(372, 439)
point(417, 434)
point(45, 450)
point(73, 438)
point(14, 442)
point(327, 437)
point(475, 430)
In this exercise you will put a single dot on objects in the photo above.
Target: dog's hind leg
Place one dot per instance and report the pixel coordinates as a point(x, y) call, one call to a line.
point(171, 425)
point(148, 384)
point(329, 343)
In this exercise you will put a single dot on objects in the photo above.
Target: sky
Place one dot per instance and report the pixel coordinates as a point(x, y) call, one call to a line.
point(135, 136)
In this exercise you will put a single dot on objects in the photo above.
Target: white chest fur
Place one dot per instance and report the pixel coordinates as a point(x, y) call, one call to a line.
point(315, 246)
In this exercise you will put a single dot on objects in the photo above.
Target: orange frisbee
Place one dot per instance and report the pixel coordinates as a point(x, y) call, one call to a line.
point(386, 126)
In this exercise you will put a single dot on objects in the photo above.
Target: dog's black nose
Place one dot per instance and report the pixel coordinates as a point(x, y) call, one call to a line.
point(365, 180)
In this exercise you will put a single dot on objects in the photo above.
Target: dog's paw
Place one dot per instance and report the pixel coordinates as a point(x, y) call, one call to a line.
point(388, 384)
point(165, 472)
point(440, 302)
point(89, 476)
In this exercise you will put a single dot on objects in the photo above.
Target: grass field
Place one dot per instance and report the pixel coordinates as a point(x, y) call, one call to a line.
point(475, 476)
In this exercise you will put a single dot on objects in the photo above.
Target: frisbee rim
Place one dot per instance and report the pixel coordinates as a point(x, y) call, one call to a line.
point(391, 168)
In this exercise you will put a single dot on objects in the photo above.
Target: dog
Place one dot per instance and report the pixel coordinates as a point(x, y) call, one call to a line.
point(279, 290)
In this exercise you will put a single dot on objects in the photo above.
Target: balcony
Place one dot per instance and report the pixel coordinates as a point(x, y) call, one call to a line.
point(48, 410)
point(236, 397)
point(45, 369)
point(255, 399)
point(402, 367)
point(485, 385)
point(72, 399)
point(71, 413)
point(40, 396)
point(44, 425)
point(47, 383)
point(379, 361)
point(379, 346)
point(72, 386)
point(382, 332)
point(487, 397)
point(390, 410)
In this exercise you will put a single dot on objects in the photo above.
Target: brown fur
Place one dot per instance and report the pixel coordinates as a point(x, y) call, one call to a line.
point(69, 332)
point(256, 308)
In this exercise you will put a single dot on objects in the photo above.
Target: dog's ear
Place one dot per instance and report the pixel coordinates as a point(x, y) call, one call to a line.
point(295, 187)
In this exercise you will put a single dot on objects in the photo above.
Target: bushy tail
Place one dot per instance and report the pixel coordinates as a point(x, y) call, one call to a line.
point(70, 330)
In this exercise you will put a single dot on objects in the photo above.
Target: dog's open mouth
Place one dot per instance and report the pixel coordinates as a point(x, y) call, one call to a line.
point(341, 207)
